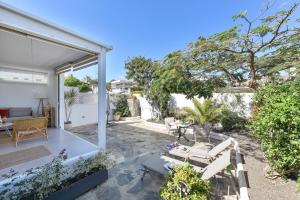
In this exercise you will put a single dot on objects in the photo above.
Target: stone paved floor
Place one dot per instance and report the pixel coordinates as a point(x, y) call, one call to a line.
point(130, 143)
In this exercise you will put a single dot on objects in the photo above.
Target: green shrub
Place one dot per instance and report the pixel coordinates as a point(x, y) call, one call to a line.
point(121, 106)
point(84, 87)
point(276, 124)
point(232, 121)
point(197, 189)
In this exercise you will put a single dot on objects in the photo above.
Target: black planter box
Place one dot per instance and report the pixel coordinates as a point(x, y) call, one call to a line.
point(80, 187)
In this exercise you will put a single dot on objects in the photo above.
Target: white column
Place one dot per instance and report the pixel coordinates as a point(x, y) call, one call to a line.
point(61, 104)
point(102, 101)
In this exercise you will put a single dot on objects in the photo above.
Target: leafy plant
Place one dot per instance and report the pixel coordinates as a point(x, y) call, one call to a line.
point(70, 98)
point(71, 81)
point(204, 112)
point(84, 86)
point(121, 106)
point(195, 188)
point(231, 120)
point(171, 75)
point(276, 124)
point(53, 176)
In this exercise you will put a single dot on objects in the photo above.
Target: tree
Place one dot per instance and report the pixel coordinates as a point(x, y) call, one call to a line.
point(92, 83)
point(286, 57)
point(142, 71)
point(268, 35)
point(236, 52)
point(69, 100)
point(84, 87)
point(71, 81)
point(172, 75)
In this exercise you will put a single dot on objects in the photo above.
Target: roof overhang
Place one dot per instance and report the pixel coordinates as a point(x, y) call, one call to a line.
point(28, 41)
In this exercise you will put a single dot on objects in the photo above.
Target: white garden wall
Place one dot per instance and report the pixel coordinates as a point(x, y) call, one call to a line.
point(240, 103)
point(83, 114)
point(85, 111)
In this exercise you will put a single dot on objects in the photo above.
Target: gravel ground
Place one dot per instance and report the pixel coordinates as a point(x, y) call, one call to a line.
point(262, 188)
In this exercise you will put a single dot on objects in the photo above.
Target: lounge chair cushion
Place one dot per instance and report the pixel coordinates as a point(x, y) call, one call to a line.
point(200, 153)
point(156, 164)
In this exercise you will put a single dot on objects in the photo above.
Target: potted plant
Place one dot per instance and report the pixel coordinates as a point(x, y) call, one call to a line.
point(121, 108)
point(117, 116)
point(70, 98)
point(55, 180)
point(204, 115)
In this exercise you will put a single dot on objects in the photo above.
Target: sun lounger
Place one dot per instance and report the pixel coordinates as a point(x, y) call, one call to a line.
point(156, 163)
point(201, 153)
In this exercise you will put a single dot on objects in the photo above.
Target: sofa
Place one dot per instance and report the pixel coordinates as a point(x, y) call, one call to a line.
point(15, 113)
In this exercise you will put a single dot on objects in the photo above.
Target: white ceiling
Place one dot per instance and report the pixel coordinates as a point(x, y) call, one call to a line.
point(22, 51)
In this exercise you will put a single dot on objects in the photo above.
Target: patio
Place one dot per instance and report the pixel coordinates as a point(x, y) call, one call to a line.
point(131, 143)
point(57, 141)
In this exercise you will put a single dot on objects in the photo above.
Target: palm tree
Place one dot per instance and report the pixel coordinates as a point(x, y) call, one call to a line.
point(204, 114)
point(69, 100)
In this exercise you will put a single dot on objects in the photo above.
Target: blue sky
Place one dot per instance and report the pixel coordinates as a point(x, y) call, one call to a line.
point(150, 28)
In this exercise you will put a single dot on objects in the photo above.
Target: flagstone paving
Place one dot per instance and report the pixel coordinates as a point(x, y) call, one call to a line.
point(130, 143)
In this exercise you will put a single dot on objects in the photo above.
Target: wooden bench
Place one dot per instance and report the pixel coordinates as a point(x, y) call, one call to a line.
point(28, 128)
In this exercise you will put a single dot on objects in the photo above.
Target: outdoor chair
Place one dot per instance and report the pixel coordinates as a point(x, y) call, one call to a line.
point(28, 128)
point(201, 153)
point(158, 164)
point(170, 125)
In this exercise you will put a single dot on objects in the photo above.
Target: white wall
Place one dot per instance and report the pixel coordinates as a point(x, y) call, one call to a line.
point(86, 110)
point(24, 94)
point(83, 114)
point(179, 101)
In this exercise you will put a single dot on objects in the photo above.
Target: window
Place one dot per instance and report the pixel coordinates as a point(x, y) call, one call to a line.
point(23, 76)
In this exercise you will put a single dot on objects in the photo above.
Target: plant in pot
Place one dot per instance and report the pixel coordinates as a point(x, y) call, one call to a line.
point(117, 116)
point(204, 115)
point(55, 180)
point(70, 98)
point(184, 183)
point(121, 108)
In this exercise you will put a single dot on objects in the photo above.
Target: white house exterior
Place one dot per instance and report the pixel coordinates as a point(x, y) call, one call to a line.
point(121, 86)
point(41, 52)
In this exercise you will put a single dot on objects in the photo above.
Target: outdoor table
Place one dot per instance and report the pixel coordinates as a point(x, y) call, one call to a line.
point(182, 128)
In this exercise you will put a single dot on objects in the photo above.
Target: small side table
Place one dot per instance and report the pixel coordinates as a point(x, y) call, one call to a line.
point(6, 127)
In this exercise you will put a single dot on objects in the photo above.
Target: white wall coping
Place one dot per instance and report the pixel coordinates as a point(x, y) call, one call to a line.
point(243, 190)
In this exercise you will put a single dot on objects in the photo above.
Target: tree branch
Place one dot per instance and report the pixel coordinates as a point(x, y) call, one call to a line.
point(276, 32)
